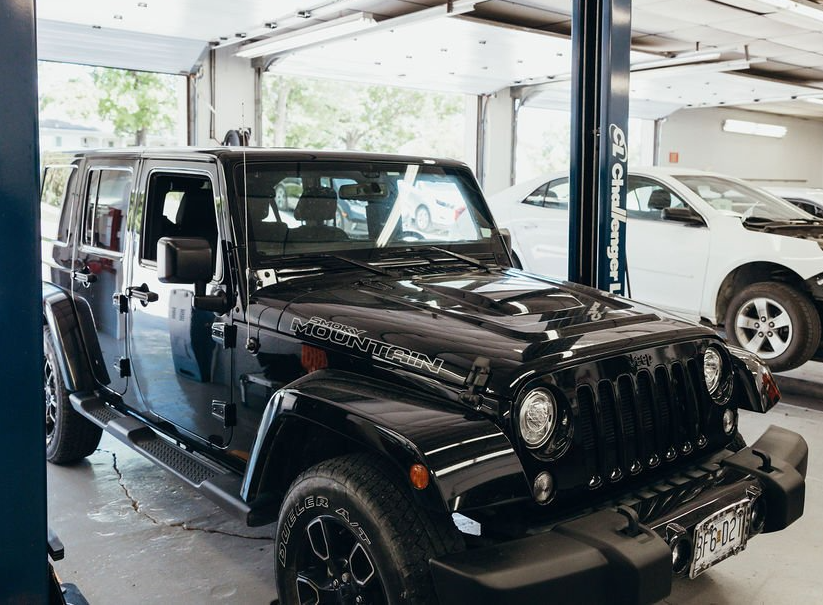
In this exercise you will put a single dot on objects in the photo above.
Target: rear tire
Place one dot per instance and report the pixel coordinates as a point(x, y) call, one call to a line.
point(349, 529)
point(69, 436)
point(776, 322)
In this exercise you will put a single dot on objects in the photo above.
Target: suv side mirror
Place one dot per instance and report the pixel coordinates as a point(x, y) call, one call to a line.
point(184, 260)
point(188, 260)
point(682, 215)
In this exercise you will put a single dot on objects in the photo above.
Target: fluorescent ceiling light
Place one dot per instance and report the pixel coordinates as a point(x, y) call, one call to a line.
point(346, 26)
point(309, 36)
point(684, 59)
point(754, 128)
point(815, 100)
point(696, 68)
point(804, 10)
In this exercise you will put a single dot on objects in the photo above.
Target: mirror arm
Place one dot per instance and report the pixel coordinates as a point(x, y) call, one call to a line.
point(216, 303)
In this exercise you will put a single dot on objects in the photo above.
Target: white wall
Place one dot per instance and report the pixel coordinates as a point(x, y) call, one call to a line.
point(696, 135)
point(234, 98)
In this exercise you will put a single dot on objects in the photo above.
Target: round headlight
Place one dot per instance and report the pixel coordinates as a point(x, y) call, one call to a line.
point(712, 369)
point(537, 417)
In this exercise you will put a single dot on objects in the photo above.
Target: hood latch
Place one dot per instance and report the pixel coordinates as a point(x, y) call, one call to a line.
point(476, 381)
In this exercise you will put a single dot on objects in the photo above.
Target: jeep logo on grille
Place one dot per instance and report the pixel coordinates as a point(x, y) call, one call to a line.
point(640, 361)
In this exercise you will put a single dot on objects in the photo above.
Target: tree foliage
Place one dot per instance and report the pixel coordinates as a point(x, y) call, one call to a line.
point(342, 115)
point(135, 102)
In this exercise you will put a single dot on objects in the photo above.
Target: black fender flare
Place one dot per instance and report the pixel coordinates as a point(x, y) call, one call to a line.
point(758, 388)
point(74, 337)
point(471, 462)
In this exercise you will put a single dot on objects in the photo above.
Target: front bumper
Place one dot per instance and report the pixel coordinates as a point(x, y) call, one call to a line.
point(598, 558)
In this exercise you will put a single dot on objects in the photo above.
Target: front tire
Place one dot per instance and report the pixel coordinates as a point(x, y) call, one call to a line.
point(776, 322)
point(69, 436)
point(349, 532)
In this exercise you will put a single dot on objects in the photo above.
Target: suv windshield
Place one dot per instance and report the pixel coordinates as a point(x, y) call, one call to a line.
point(331, 207)
point(736, 199)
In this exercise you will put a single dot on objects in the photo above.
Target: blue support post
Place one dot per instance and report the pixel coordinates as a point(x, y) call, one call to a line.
point(23, 558)
point(601, 42)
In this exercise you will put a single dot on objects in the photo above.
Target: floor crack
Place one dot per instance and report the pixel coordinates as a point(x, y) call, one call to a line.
point(178, 524)
point(134, 503)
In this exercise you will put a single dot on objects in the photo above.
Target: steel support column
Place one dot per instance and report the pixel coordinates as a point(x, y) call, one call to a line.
point(23, 562)
point(601, 41)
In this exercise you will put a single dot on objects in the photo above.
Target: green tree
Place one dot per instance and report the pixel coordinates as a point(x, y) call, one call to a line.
point(343, 115)
point(135, 102)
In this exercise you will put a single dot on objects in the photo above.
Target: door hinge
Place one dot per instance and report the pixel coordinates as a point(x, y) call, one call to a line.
point(476, 381)
point(227, 412)
point(123, 367)
point(224, 334)
point(121, 302)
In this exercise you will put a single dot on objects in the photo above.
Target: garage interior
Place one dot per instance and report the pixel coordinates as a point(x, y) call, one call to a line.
point(132, 533)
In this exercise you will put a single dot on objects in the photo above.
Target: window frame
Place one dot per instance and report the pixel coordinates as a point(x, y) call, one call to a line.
point(147, 263)
point(84, 206)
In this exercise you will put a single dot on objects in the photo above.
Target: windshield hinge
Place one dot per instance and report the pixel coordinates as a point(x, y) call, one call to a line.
point(476, 381)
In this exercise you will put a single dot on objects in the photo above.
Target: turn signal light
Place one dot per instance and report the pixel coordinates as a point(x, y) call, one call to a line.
point(419, 476)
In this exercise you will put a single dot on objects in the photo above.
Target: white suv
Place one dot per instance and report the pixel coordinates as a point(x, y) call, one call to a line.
point(703, 245)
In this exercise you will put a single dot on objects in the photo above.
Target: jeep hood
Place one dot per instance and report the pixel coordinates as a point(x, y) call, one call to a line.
point(437, 326)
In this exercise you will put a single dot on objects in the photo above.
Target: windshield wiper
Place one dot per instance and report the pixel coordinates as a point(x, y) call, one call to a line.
point(463, 257)
point(768, 224)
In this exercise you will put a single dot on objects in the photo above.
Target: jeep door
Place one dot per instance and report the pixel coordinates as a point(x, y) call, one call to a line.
point(182, 375)
point(98, 256)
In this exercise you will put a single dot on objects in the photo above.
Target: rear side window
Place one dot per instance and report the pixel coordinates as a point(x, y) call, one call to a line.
point(54, 211)
point(107, 201)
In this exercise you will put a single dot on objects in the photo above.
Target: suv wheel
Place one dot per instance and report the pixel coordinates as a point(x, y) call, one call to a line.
point(349, 533)
point(776, 322)
point(69, 436)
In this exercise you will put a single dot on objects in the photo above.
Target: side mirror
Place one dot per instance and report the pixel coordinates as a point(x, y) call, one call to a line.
point(184, 260)
point(188, 260)
point(682, 215)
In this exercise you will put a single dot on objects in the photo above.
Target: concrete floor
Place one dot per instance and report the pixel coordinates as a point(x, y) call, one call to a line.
point(133, 534)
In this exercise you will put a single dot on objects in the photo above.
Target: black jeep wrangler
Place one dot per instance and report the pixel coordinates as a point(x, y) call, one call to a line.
point(421, 421)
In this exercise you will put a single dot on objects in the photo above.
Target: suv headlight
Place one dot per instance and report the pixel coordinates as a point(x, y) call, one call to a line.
point(538, 414)
point(712, 369)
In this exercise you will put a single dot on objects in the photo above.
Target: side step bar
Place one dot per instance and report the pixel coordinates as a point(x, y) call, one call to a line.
point(217, 484)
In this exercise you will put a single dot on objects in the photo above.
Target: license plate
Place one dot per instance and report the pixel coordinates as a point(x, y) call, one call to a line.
point(720, 536)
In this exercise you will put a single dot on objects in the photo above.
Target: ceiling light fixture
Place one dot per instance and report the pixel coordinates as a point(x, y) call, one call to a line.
point(343, 27)
point(309, 36)
point(815, 100)
point(754, 128)
point(804, 10)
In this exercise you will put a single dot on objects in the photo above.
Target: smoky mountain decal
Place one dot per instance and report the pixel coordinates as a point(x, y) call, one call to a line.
point(348, 336)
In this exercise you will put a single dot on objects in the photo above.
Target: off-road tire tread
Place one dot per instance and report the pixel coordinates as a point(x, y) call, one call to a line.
point(807, 327)
point(75, 436)
point(377, 487)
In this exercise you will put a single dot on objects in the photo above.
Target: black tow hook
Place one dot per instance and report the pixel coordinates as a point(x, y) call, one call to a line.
point(633, 528)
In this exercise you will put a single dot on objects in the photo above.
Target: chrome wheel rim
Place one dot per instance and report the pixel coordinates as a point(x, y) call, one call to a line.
point(764, 326)
point(280, 198)
point(50, 393)
point(422, 218)
point(333, 566)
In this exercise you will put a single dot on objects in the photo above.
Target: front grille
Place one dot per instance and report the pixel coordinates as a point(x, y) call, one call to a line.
point(638, 420)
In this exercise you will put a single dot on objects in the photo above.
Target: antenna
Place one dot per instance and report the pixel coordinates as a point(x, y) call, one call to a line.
point(249, 344)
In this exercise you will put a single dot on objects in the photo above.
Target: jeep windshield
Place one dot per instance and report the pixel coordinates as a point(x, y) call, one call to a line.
point(294, 208)
point(737, 199)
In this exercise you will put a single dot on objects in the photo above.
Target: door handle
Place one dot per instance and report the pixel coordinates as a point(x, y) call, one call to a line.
point(142, 293)
point(84, 276)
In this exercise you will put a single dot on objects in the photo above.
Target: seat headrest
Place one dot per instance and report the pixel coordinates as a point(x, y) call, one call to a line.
point(660, 199)
point(316, 204)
